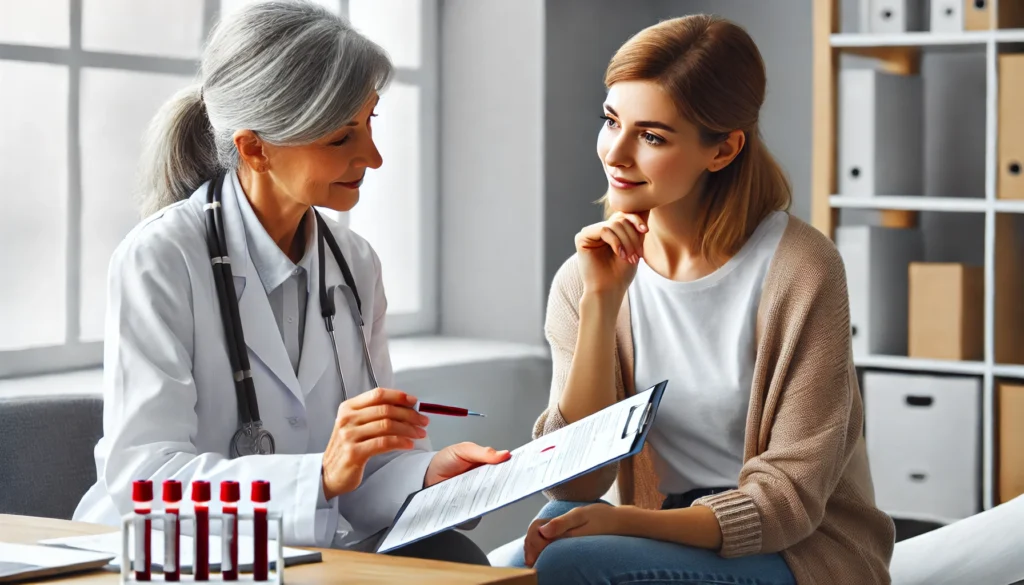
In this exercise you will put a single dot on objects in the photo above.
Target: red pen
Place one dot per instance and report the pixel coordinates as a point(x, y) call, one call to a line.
point(172, 561)
point(229, 495)
point(201, 560)
point(142, 495)
point(260, 498)
point(430, 408)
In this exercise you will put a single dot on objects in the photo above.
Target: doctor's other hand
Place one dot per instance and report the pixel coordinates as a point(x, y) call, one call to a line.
point(458, 459)
point(369, 424)
point(609, 252)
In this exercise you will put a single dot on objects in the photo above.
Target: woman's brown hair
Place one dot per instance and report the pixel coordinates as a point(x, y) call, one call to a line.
point(714, 73)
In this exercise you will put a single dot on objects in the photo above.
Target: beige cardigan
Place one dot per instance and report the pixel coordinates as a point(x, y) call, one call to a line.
point(805, 488)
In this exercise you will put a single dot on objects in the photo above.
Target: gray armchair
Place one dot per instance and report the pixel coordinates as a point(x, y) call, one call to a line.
point(46, 452)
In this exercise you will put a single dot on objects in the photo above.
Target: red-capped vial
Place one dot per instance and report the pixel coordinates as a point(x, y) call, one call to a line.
point(230, 491)
point(142, 496)
point(260, 492)
point(200, 491)
point(172, 491)
point(172, 501)
point(260, 497)
point(142, 491)
point(201, 497)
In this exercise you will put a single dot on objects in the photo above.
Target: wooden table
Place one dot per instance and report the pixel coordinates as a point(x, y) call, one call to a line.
point(350, 568)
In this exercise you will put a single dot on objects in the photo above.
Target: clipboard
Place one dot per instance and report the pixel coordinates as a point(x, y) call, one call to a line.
point(638, 421)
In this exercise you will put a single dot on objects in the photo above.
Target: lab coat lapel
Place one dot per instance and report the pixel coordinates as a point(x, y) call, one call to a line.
point(262, 335)
point(316, 343)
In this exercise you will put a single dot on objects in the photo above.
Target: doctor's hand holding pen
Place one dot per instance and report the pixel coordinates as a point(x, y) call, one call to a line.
point(384, 420)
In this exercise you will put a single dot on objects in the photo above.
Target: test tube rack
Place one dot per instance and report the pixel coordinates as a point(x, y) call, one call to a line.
point(133, 531)
point(137, 528)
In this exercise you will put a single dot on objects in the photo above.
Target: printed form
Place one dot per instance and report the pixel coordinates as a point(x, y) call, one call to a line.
point(536, 466)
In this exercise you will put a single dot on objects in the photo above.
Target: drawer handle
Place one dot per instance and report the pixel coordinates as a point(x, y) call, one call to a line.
point(919, 477)
point(919, 400)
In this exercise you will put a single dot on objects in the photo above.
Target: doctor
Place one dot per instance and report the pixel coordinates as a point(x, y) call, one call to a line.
point(219, 363)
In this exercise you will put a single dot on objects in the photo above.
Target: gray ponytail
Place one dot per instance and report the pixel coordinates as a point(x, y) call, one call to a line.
point(289, 70)
point(179, 152)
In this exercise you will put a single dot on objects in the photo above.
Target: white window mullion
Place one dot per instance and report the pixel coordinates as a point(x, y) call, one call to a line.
point(74, 205)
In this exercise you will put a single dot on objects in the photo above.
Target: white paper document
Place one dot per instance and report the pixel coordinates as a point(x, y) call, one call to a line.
point(111, 543)
point(24, 561)
point(598, 439)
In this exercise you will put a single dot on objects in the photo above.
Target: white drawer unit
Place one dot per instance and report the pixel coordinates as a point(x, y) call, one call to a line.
point(924, 444)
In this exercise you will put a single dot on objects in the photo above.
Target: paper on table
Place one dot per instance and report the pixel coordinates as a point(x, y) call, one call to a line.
point(536, 466)
point(111, 543)
point(22, 561)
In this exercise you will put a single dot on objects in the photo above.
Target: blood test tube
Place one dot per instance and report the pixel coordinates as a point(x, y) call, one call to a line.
point(142, 496)
point(260, 499)
point(229, 496)
point(172, 530)
point(201, 557)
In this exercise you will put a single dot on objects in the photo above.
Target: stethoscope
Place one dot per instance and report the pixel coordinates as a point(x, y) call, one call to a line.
point(251, 438)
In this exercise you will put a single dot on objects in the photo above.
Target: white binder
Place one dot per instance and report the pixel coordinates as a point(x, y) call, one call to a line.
point(893, 16)
point(947, 16)
point(881, 129)
point(877, 261)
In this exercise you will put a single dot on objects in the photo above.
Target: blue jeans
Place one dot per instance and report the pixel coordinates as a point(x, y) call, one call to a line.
point(627, 560)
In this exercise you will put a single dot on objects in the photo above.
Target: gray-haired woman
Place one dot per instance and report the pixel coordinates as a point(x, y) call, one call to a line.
point(230, 266)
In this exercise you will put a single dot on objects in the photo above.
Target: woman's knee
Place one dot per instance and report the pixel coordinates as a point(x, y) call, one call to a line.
point(556, 508)
point(570, 560)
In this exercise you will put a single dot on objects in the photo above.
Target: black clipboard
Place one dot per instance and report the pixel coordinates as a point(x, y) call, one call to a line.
point(638, 421)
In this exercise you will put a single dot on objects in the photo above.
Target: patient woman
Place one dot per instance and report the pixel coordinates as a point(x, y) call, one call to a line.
point(755, 470)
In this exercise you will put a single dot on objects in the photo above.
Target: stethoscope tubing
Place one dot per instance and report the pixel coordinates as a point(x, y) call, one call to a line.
point(220, 263)
point(238, 357)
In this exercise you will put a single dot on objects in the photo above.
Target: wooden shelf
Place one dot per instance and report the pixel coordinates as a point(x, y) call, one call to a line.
point(899, 362)
point(901, 54)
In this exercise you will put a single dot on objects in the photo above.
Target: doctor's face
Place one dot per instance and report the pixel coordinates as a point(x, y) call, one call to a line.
point(328, 172)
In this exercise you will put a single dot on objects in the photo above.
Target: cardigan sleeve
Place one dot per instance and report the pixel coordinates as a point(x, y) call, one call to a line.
point(561, 328)
point(813, 398)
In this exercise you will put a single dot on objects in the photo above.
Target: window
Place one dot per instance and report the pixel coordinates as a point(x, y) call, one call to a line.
point(79, 82)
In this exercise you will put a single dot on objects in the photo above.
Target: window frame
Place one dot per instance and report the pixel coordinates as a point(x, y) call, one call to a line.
point(73, 353)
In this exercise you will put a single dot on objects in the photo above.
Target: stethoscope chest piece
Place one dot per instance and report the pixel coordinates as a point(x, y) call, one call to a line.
point(252, 439)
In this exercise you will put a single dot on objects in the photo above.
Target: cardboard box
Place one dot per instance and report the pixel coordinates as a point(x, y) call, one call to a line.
point(1010, 175)
point(946, 311)
point(1009, 308)
point(978, 14)
point(1011, 441)
point(876, 260)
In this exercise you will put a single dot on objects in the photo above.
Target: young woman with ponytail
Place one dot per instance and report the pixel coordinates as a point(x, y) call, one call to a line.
point(755, 470)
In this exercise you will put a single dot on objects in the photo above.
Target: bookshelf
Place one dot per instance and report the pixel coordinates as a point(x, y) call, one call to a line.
point(901, 53)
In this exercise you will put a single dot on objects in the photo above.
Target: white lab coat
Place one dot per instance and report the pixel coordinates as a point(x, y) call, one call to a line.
point(169, 398)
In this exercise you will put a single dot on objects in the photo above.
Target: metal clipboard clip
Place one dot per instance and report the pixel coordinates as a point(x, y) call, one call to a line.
point(641, 420)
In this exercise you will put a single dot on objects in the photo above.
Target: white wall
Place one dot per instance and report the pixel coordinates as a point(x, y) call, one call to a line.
point(492, 152)
point(582, 36)
point(782, 31)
